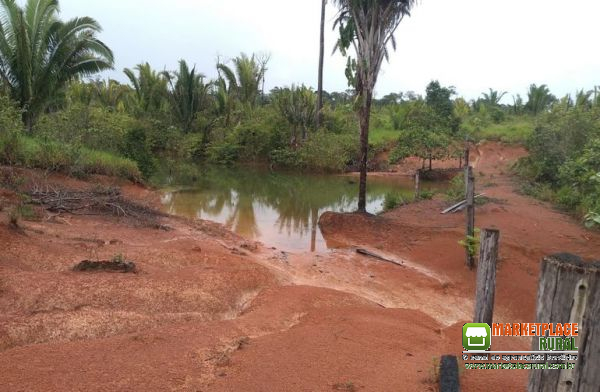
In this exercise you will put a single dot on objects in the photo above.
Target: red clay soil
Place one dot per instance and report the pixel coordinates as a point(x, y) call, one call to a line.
point(210, 311)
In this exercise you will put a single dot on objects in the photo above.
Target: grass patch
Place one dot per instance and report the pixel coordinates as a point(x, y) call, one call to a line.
point(516, 130)
point(18, 149)
point(383, 136)
point(392, 200)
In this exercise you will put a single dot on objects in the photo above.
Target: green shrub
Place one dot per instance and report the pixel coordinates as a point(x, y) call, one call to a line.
point(392, 200)
point(471, 243)
point(10, 116)
point(426, 194)
point(93, 127)
point(223, 153)
point(456, 190)
point(285, 157)
point(329, 152)
point(137, 149)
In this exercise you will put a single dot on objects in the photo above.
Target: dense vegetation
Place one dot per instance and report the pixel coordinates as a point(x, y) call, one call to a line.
point(53, 116)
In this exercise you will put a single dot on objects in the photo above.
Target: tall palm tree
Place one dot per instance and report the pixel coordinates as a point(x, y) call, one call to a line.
point(321, 61)
point(297, 106)
point(493, 98)
point(188, 94)
point(244, 79)
point(583, 99)
point(150, 89)
point(539, 98)
point(368, 26)
point(111, 94)
point(40, 54)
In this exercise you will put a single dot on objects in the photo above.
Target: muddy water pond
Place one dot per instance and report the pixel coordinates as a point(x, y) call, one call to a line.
point(279, 209)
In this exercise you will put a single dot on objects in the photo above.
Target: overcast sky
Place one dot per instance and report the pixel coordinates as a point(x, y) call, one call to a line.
point(470, 44)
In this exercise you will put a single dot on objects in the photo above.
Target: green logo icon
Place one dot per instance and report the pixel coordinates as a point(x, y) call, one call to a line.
point(477, 337)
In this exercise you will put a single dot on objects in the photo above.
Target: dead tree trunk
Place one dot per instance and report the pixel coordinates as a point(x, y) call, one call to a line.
point(486, 276)
point(417, 185)
point(470, 232)
point(569, 292)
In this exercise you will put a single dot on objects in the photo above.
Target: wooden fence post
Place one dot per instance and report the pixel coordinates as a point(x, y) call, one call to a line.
point(417, 184)
point(449, 374)
point(467, 165)
point(569, 292)
point(470, 232)
point(486, 276)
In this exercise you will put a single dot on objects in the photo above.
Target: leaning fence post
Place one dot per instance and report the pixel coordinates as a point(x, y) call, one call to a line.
point(417, 184)
point(486, 276)
point(470, 232)
point(569, 292)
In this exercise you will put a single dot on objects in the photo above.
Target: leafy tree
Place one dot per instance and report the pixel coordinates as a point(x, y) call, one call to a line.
point(427, 144)
point(40, 54)
point(438, 98)
point(539, 99)
point(424, 135)
point(391, 98)
point(188, 94)
point(461, 109)
point(341, 98)
point(368, 26)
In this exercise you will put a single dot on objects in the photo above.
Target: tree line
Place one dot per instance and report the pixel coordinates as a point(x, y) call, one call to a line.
point(162, 118)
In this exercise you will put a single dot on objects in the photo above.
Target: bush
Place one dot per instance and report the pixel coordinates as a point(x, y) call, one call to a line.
point(285, 157)
point(10, 116)
point(329, 152)
point(223, 153)
point(456, 190)
point(93, 127)
point(559, 137)
point(426, 194)
point(137, 149)
point(392, 200)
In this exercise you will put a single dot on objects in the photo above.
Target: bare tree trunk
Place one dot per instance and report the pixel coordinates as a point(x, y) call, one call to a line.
point(28, 120)
point(321, 60)
point(365, 116)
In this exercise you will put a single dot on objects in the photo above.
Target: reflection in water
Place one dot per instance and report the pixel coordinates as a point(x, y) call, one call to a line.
point(279, 209)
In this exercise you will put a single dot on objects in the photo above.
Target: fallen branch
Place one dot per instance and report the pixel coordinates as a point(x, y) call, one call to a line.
point(378, 257)
point(459, 206)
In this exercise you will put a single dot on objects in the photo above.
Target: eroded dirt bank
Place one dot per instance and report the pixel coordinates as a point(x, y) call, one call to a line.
point(210, 311)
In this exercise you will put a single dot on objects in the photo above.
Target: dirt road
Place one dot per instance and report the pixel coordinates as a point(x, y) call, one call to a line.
point(210, 311)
